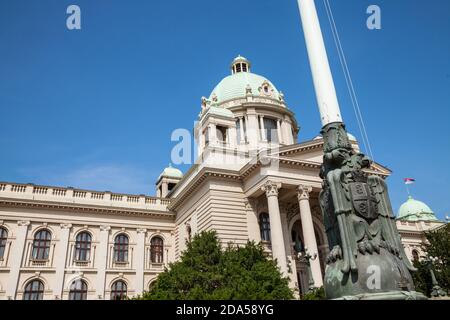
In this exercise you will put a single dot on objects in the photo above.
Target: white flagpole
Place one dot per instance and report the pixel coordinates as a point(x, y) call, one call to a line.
point(407, 189)
point(323, 80)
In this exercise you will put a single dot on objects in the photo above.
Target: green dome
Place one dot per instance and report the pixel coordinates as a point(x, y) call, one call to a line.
point(414, 210)
point(237, 85)
point(171, 172)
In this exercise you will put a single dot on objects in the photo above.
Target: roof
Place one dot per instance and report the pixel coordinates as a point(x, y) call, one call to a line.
point(171, 172)
point(414, 210)
point(240, 83)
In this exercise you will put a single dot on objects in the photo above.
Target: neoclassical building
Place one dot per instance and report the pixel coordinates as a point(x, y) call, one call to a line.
point(252, 180)
point(414, 218)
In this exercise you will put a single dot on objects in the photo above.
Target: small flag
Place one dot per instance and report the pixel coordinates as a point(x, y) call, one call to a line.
point(409, 180)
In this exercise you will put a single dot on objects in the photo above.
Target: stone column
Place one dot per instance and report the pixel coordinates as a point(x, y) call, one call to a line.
point(308, 233)
point(164, 189)
point(241, 128)
point(276, 230)
point(102, 260)
point(140, 260)
point(60, 259)
point(280, 137)
point(212, 134)
point(252, 131)
point(261, 125)
point(17, 249)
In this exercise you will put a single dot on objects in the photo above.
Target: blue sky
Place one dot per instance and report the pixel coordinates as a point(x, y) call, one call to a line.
point(95, 108)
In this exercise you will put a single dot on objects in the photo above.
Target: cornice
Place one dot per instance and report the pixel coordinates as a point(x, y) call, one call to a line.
point(203, 175)
point(49, 205)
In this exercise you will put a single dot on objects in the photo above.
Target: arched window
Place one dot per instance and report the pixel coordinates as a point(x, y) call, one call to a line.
point(264, 226)
point(3, 239)
point(34, 290)
point(415, 255)
point(119, 290)
point(121, 248)
point(83, 246)
point(157, 250)
point(78, 290)
point(41, 245)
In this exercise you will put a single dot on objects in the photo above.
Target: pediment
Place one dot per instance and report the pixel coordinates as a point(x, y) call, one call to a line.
point(312, 152)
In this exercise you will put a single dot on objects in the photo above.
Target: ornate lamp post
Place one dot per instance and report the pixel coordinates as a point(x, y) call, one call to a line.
point(437, 290)
point(305, 257)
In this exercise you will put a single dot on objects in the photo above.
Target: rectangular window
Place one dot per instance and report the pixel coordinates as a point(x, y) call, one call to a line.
point(270, 130)
point(221, 133)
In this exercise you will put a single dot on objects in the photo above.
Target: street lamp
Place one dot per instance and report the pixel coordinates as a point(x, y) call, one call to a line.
point(306, 257)
point(437, 290)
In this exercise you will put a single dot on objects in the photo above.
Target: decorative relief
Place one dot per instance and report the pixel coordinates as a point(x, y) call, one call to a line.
point(65, 225)
point(265, 89)
point(23, 223)
point(271, 188)
point(105, 228)
point(303, 192)
point(141, 230)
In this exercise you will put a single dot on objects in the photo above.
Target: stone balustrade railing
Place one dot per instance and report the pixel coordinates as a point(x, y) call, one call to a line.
point(78, 196)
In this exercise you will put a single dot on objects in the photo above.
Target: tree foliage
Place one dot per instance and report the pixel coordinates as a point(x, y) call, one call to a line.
point(437, 246)
point(207, 272)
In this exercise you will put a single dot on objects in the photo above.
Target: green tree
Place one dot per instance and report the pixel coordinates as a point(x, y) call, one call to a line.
point(206, 272)
point(437, 246)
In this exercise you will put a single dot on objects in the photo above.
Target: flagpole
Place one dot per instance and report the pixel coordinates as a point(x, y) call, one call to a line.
point(407, 189)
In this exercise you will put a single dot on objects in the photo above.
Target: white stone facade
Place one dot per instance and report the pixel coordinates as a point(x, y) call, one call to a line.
point(249, 183)
point(413, 236)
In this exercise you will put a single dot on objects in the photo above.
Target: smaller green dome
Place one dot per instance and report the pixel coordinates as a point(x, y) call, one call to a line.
point(218, 111)
point(414, 210)
point(171, 172)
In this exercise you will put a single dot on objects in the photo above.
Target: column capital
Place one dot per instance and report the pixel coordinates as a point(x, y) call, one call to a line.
point(105, 228)
point(271, 188)
point(303, 192)
point(65, 225)
point(141, 230)
point(23, 223)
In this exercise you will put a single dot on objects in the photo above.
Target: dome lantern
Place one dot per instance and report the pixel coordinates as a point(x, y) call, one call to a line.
point(240, 64)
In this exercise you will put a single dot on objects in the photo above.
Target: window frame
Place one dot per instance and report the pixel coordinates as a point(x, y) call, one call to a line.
point(31, 293)
point(83, 246)
point(41, 245)
point(76, 292)
point(157, 250)
point(121, 248)
point(3, 241)
point(119, 292)
point(271, 135)
point(264, 227)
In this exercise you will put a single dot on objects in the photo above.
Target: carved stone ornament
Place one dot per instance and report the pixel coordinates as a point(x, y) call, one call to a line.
point(360, 226)
point(23, 223)
point(303, 192)
point(271, 188)
point(105, 228)
point(248, 89)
